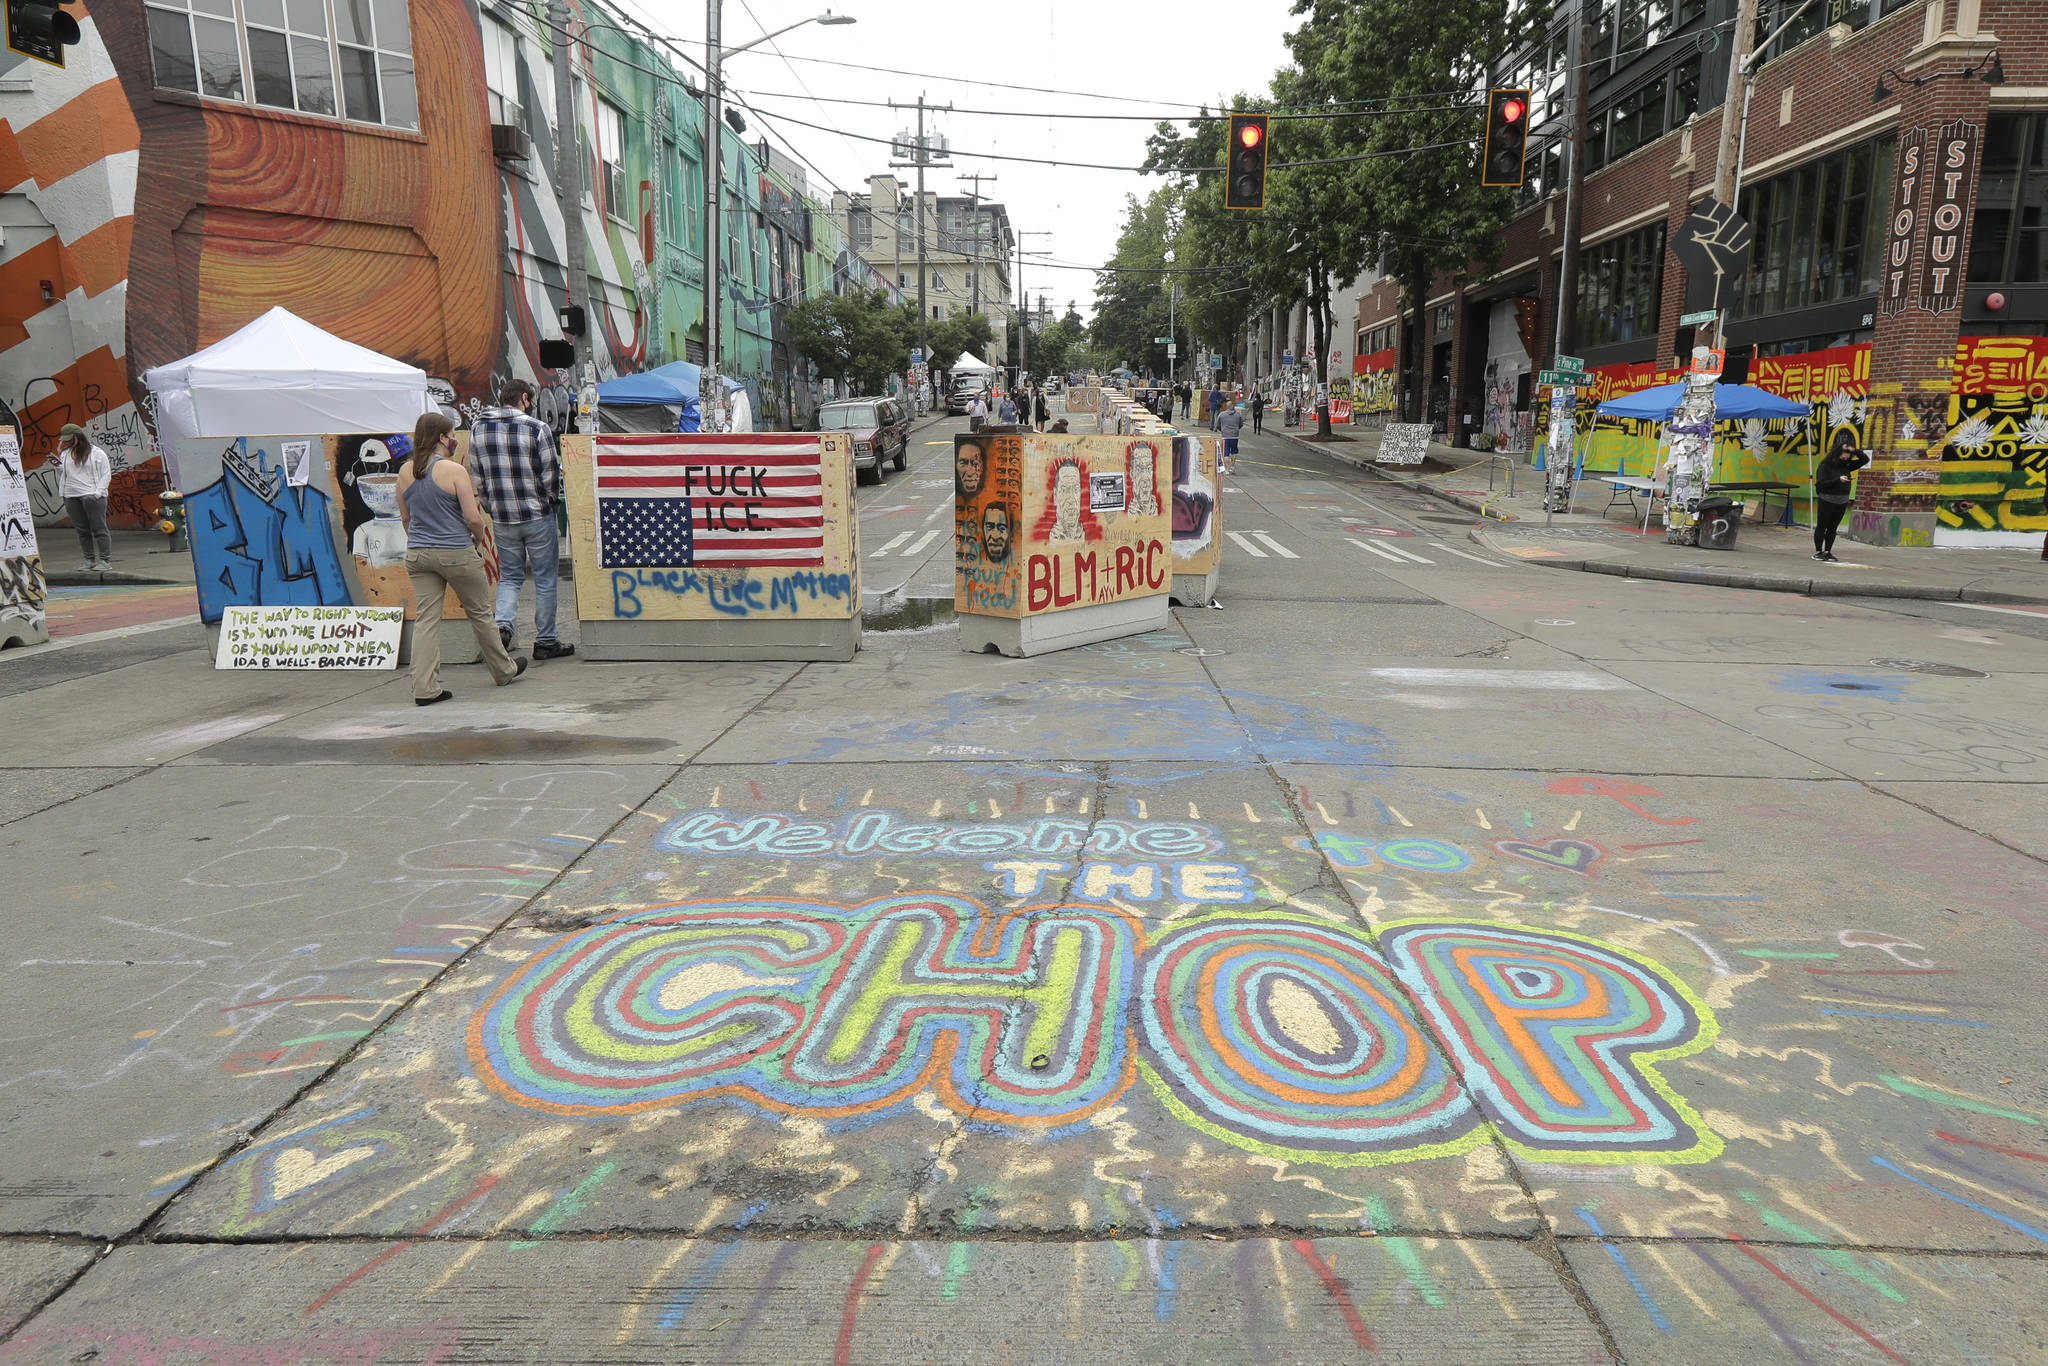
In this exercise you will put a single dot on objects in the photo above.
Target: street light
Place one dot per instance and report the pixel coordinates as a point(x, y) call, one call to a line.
point(710, 388)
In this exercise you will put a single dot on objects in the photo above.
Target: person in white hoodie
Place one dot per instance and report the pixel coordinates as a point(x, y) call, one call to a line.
point(83, 473)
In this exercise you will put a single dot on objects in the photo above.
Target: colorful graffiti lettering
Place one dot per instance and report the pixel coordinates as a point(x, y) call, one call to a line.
point(732, 594)
point(1283, 1034)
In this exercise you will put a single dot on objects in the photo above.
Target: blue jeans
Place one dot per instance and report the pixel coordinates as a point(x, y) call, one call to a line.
point(535, 545)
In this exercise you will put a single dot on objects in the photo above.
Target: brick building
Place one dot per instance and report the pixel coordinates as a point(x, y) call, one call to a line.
point(1908, 132)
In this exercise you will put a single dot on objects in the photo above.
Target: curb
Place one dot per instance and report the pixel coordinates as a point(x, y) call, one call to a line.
point(1779, 583)
point(1369, 468)
point(119, 578)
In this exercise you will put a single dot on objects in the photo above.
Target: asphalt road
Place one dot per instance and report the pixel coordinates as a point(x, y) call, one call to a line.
point(1425, 957)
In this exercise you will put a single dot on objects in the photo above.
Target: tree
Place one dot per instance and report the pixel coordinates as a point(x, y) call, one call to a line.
point(856, 339)
point(1303, 242)
point(1415, 198)
point(1055, 349)
point(949, 337)
point(1130, 293)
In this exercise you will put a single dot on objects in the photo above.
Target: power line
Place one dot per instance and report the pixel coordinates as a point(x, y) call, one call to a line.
point(1104, 166)
point(1137, 118)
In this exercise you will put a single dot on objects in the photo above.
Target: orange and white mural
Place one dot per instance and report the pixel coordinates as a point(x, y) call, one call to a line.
point(69, 150)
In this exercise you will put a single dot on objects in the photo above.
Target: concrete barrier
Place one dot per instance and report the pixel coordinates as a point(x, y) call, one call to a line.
point(1059, 540)
point(1197, 521)
point(306, 521)
point(706, 546)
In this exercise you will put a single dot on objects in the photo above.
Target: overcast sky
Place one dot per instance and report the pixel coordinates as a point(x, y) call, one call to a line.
point(1158, 61)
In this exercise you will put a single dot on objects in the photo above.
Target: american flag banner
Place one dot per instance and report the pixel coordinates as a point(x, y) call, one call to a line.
point(704, 500)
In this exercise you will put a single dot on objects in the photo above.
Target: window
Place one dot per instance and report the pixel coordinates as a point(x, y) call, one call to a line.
point(733, 212)
point(1819, 230)
point(285, 54)
point(860, 223)
point(938, 282)
point(611, 158)
point(2009, 239)
point(939, 312)
point(1619, 284)
point(501, 73)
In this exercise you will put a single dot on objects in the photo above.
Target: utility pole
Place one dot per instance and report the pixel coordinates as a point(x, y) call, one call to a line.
point(1024, 301)
point(710, 386)
point(1692, 424)
point(1574, 184)
point(974, 197)
point(1563, 400)
point(569, 188)
point(921, 157)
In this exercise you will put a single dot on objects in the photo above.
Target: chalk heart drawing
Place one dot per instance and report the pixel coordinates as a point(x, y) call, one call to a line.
point(300, 1170)
point(1278, 1033)
point(294, 1169)
point(1574, 856)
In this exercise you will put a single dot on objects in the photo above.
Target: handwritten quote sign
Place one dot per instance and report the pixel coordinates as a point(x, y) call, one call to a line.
point(309, 638)
point(1404, 443)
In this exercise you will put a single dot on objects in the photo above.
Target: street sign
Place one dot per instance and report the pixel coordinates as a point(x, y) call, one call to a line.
point(1287, 358)
point(1562, 379)
point(1162, 341)
point(1568, 362)
point(1215, 360)
point(1705, 315)
point(1172, 351)
point(915, 355)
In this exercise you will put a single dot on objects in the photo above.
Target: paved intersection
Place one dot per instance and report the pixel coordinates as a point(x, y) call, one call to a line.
point(1421, 958)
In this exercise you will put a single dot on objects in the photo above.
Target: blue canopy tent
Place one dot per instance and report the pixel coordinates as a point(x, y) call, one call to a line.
point(1732, 403)
point(672, 387)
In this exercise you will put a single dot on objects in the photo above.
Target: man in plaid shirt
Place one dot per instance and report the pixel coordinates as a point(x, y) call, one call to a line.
point(518, 478)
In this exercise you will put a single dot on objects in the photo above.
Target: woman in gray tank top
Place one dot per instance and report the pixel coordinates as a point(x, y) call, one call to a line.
point(447, 538)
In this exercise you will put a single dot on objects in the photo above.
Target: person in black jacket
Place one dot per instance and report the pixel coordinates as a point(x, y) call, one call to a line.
point(1834, 489)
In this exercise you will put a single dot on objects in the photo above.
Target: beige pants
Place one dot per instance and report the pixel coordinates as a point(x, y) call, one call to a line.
point(434, 570)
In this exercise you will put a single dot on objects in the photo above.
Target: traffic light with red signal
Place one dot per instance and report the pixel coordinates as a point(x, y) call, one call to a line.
point(1507, 137)
point(1244, 163)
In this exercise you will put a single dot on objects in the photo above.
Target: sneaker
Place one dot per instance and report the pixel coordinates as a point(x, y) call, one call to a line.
point(1820, 554)
point(552, 649)
point(89, 567)
point(441, 696)
point(505, 636)
point(519, 660)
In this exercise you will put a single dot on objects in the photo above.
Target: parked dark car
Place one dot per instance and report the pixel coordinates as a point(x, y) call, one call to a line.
point(880, 429)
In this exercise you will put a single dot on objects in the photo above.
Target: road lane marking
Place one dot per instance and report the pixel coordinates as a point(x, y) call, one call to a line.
point(895, 541)
point(1406, 554)
point(1373, 549)
point(66, 642)
point(917, 546)
point(2035, 612)
point(1278, 549)
point(1246, 545)
point(1549, 680)
point(1476, 559)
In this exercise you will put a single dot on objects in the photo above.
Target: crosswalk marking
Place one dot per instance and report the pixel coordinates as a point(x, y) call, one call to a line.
point(1245, 545)
point(1476, 559)
point(1278, 549)
point(916, 547)
point(1407, 554)
point(1387, 552)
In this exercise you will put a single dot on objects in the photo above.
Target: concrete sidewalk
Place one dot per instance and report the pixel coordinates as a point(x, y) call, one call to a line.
point(1768, 558)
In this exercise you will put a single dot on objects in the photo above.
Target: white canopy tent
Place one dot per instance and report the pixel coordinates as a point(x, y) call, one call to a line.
point(969, 363)
point(282, 375)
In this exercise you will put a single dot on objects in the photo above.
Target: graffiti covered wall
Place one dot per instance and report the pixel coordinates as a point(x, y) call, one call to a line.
point(1994, 465)
point(68, 158)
